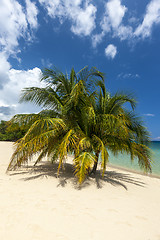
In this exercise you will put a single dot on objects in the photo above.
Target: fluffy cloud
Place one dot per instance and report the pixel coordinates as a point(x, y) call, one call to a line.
point(81, 13)
point(151, 17)
point(15, 22)
point(18, 79)
point(112, 22)
point(84, 20)
point(114, 14)
point(10, 28)
point(110, 51)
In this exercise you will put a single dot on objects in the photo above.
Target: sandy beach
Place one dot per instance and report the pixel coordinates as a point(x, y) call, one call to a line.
point(35, 204)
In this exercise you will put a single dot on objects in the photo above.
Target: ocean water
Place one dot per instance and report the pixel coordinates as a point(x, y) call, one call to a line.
point(124, 161)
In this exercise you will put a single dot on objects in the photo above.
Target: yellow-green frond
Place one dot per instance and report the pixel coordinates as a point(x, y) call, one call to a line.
point(84, 145)
point(68, 142)
point(83, 163)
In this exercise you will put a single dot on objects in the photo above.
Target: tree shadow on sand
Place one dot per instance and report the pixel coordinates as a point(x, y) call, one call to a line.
point(47, 170)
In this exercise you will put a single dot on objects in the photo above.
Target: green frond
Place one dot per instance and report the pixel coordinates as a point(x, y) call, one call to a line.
point(45, 97)
point(41, 156)
point(82, 165)
point(77, 92)
point(36, 140)
point(91, 115)
point(101, 84)
point(73, 78)
point(115, 103)
point(144, 155)
point(136, 125)
point(101, 148)
point(84, 145)
point(24, 119)
point(68, 142)
point(82, 70)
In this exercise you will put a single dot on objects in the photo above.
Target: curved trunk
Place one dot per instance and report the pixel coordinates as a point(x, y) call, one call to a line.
point(95, 164)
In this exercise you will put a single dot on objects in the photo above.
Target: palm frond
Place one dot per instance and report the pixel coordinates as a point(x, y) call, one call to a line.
point(36, 140)
point(82, 165)
point(115, 103)
point(144, 156)
point(45, 97)
point(68, 142)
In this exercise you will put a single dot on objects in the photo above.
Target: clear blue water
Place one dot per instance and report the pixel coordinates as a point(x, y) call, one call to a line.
point(123, 160)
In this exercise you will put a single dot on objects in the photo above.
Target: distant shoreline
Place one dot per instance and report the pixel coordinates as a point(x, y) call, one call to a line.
point(133, 171)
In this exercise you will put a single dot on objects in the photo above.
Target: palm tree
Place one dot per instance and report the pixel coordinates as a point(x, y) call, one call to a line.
point(52, 131)
point(82, 121)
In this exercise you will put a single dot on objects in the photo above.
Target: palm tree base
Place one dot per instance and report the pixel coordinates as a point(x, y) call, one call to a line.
point(94, 169)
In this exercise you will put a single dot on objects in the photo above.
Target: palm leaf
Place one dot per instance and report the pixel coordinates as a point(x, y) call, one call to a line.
point(82, 165)
point(68, 142)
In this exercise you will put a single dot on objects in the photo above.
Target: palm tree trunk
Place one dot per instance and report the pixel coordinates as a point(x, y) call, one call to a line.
point(95, 164)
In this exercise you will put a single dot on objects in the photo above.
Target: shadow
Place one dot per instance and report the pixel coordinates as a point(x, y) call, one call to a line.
point(47, 169)
point(116, 179)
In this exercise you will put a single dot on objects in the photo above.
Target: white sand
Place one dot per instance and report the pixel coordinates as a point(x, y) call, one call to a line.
point(37, 205)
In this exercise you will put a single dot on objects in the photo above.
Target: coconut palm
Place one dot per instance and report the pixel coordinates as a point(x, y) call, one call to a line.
point(52, 129)
point(81, 121)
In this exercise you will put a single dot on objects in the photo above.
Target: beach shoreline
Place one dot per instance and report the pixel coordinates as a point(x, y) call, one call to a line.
point(116, 167)
point(35, 204)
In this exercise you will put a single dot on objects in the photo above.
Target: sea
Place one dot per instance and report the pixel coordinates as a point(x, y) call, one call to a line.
point(124, 160)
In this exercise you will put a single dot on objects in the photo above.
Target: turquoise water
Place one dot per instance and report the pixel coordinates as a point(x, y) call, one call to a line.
point(123, 160)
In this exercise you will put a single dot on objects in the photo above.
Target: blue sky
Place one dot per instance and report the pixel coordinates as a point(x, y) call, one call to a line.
point(119, 37)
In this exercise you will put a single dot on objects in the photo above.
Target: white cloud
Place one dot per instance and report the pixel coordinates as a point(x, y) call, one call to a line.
point(151, 17)
point(111, 51)
point(54, 8)
point(115, 12)
point(10, 93)
point(149, 115)
point(124, 32)
point(4, 68)
point(15, 23)
point(128, 76)
point(83, 20)
point(12, 24)
point(81, 13)
point(32, 13)
point(112, 21)
point(97, 38)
